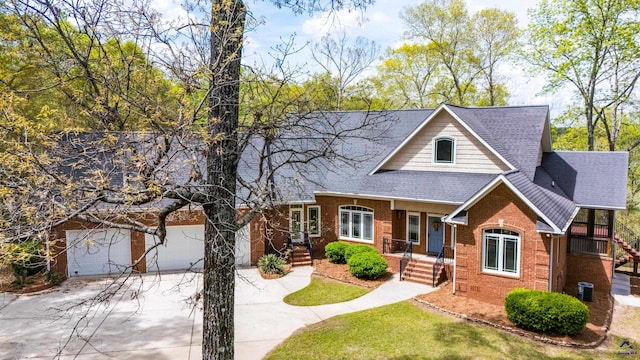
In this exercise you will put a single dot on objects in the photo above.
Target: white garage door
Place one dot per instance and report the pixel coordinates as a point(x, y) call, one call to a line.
point(184, 249)
point(98, 252)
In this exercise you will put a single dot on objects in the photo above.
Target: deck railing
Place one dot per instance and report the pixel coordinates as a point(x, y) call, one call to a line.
point(579, 228)
point(627, 235)
point(307, 241)
point(590, 246)
point(438, 265)
point(390, 246)
point(406, 257)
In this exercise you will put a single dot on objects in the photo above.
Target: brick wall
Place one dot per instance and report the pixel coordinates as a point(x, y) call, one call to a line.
point(184, 217)
point(593, 269)
point(330, 223)
point(500, 204)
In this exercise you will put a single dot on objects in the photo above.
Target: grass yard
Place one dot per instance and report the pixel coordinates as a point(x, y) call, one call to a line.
point(325, 291)
point(406, 331)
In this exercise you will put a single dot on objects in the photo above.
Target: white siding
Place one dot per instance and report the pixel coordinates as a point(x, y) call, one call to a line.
point(470, 154)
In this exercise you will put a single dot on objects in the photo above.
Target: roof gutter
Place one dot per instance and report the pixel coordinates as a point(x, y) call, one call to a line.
point(385, 198)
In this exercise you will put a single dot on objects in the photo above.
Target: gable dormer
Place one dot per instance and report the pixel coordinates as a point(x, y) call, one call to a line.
point(443, 142)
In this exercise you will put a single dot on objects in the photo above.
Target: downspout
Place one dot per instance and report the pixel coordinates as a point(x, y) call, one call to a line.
point(454, 243)
point(551, 264)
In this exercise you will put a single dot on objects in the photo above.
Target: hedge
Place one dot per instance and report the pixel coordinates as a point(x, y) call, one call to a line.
point(367, 265)
point(334, 251)
point(357, 249)
point(546, 312)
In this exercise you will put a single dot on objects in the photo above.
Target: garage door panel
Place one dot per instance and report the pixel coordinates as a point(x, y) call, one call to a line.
point(98, 252)
point(183, 248)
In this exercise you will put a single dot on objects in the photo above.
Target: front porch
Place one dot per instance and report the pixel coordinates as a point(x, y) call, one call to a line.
point(422, 268)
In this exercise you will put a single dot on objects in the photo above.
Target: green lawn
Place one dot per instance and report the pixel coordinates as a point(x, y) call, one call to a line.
point(325, 291)
point(405, 331)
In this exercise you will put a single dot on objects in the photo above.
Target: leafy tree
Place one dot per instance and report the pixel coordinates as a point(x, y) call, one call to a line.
point(406, 77)
point(344, 62)
point(496, 34)
point(467, 49)
point(52, 177)
point(591, 46)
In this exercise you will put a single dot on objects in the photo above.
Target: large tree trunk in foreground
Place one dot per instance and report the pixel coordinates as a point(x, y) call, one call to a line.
point(227, 26)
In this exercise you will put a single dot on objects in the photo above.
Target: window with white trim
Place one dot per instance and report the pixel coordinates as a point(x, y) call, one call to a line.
point(356, 223)
point(313, 222)
point(413, 227)
point(444, 149)
point(501, 252)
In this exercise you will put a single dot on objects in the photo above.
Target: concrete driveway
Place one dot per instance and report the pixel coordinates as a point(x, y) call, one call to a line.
point(151, 317)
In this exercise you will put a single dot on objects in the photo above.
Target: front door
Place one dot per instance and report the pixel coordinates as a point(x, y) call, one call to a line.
point(435, 229)
point(296, 221)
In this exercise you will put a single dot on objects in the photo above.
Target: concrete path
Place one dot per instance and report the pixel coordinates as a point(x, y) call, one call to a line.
point(262, 299)
point(150, 317)
point(621, 290)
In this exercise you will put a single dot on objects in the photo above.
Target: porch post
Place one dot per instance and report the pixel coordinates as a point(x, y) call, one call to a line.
point(591, 219)
point(611, 231)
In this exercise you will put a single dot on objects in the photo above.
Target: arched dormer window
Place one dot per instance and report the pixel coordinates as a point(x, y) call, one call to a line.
point(444, 150)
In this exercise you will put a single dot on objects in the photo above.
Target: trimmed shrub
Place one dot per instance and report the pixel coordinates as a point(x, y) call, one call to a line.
point(367, 265)
point(358, 249)
point(334, 251)
point(546, 312)
point(272, 264)
point(26, 259)
point(54, 278)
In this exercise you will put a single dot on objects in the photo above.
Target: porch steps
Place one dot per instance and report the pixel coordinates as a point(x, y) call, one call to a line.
point(421, 271)
point(632, 254)
point(301, 256)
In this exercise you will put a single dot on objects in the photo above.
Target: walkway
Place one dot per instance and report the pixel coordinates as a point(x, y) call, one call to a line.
point(263, 320)
point(621, 290)
point(150, 319)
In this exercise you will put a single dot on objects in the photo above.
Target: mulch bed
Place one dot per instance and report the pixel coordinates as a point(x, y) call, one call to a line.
point(33, 284)
point(341, 272)
point(495, 315)
point(287, 269)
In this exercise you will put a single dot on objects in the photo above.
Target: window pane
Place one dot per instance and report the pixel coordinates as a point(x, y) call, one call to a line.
point(357, 223)
point(344, 223)
point(491, 253)
point(368, 227)
point(295, 223)
point(413, 228)
point(510, 253)
point(444, 150)
point(314, 224)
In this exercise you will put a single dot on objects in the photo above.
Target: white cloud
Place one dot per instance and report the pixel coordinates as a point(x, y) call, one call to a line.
point(171, 10)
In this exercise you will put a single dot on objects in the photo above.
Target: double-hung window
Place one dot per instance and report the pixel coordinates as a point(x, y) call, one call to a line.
point(356, 223)
point(413, 227)
point(501, 252)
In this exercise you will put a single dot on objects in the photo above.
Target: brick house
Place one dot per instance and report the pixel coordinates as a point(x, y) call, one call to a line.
point(475, 195)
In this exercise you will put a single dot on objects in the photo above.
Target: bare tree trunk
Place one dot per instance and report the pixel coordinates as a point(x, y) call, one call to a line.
point(227, 26)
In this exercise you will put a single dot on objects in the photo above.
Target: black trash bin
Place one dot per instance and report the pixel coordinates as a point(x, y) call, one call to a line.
point(585, 291)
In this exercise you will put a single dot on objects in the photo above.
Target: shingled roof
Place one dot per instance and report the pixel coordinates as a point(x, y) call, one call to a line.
point(554, 188)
